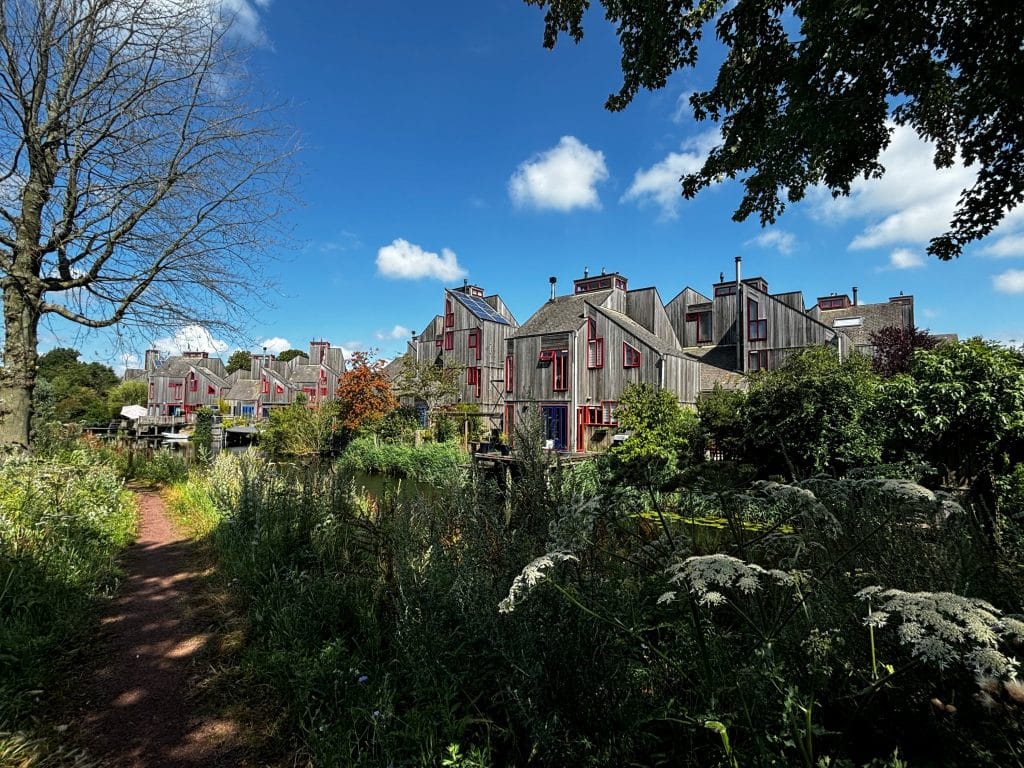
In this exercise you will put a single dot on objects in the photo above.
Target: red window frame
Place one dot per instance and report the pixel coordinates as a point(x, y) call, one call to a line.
point(726, 290)
point(630, 356)
point(546, 356)
point(757, 360)
point(509, 373)
point(474, 341)
point(560, 371)
point(608, 408)
point(323, 391)
point(177, 387)
point(449, 340)
point(439, 341)
point(265, 382)
point(193, 383)
point(473, 378)
point(595, 346)
point(449, 314)
point(757, 326)
point(698, 317)
point(211, 390)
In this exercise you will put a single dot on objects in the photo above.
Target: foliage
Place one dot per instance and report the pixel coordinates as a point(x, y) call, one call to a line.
point(961, 408)
point(428, 383)
point(895, 346)
point(364, 392)
point(429, 463)
point(664, 438)
point(398, 426)
point(163, 467)
point(62, 524)
point(132, 392)
point(808, 93)
point(302, 430)
point(813, 415)
point(202, 435)
point(723, 420)
point(239, 360)
point(290, 354)
point(70, 390)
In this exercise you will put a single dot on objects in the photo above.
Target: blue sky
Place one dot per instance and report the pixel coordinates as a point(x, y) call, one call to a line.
point(441, 141)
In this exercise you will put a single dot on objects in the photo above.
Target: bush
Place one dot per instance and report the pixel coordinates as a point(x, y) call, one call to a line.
point(428, 463)
point(62, 525)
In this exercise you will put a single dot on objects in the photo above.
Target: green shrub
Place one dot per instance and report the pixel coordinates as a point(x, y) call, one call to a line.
point(62, 526)
point(428, 463)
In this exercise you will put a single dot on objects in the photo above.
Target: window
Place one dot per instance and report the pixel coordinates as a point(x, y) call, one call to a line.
point(474, 342)
point(598, 414)
point(309, 392)
point(152, 390)
point(449, 314)
point(449, 340)
point(437, 342)
point(211, 390)
point(323, 391)
point(265, 385)
point(726, 290)
point(473, 378)
point(847, 322)
point(758, 361)
point(560, 371)
point(193, 384)
point(595, 346)
point(630, 356)
point(546, 356)
point(608, 411)
point(509, 373)
point(703, 321)
point(757, 326)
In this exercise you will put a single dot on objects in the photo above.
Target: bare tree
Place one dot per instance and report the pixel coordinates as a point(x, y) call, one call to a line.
point(137, 176)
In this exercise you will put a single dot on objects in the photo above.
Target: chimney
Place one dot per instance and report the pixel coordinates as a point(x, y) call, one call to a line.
point(855, 295)
point(739, 261)
point(739, 317)
point(554, 281)
point(586, 272)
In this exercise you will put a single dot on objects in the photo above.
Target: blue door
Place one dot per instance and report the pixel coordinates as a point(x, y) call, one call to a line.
point(556, 423)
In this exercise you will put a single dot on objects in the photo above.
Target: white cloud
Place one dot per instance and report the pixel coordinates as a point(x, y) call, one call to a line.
point(1007, 247)
point(659, 184)
point(406, 260)
point(275, 345)
point(398, 332)
point(782, 241)
point(683, 112)
point(905, 258)
point(191, 338)
point(561, 178)
point(1010, 281)
point(912, 202)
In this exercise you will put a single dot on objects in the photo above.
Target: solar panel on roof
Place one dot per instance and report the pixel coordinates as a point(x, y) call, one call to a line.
point(481, 309)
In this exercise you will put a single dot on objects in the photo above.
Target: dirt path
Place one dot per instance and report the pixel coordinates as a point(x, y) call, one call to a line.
point(138, 710)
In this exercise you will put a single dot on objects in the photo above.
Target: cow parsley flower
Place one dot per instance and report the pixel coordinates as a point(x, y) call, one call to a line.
point(943, 629)
point(703, 574)
point(532, 575)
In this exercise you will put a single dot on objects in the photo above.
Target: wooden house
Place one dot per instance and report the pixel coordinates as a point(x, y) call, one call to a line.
point(470, 334)
point(743, 328)
point(179, 386)
point(569, 363)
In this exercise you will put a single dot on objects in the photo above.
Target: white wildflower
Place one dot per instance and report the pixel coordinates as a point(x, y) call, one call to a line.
point(668, 597)
point(702, 574)
point(943, 628)
point(534, 573)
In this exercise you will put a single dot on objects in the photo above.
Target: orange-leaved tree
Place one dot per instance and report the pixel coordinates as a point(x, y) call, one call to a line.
point(364, 392)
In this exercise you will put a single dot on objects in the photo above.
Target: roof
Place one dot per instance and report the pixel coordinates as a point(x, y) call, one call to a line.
point(718, 367)
point(480, 308)
point(563, 313)
point(650, 339)
point(306, 373)
point(243, 390)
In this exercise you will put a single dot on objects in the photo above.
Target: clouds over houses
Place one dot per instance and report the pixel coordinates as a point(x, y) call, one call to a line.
point(562, 178)
point(191, 338)
point(397, 332)
point(404, 260)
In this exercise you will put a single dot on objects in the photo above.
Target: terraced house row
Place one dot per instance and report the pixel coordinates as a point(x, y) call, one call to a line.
point(180, 385)
point(571, 360)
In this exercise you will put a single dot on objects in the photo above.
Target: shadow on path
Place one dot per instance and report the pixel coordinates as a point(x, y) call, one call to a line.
point(137, 710)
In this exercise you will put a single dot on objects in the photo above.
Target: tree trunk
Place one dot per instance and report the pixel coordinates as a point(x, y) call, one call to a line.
point(18, 374)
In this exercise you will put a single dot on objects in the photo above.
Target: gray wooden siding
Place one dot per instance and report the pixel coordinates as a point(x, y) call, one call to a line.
point(645, 307)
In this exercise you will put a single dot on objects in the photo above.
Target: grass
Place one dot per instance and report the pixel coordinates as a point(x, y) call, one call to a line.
point(63, 524)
